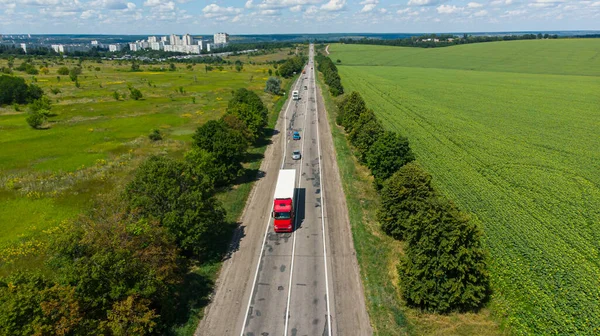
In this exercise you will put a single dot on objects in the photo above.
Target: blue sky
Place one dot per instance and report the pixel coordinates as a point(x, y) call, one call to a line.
point(293, 16)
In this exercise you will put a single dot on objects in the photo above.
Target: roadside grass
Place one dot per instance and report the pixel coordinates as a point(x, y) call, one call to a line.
point(234, 200)
point(378, 256)
point(519, 151)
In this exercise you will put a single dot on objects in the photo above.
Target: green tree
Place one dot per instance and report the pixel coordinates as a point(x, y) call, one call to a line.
point(169, 190)
point(15, 90)
point(247, 106)
point(403, 195)
point(349, 110)
point(365, 132)
point(132, 316)
point(172, 67)
point(228, 145)
point(206, 165)
point(116, 95)
point(155, 135)
point(390, 152)
point(63, 71)
point(444, 268)
point(273, 85)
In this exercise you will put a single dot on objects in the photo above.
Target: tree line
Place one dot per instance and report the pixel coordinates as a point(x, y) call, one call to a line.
point(330, 74)
point(124, 268)
point(444, 266)
point(444, 40)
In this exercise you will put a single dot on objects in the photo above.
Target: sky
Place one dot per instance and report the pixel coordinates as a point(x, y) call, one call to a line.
point(293, 16)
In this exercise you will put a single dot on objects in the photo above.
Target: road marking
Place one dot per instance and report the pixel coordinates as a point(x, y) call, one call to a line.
point(287, 308)
point(266, 230)
point(322, 205)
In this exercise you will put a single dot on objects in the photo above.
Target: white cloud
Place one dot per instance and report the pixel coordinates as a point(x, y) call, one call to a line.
point(131, 6)
point(269, 12)
point(296, 8)
point(382, 10)
point(88, 14)
point(481, 13)
point(280, 4)
point(108, 4)
point(221, 13)
point(402, 11)
point(236, 18)
point(312, 10)
point(368, 8)
point(474, 5)
point(424, 2)
point(334, 5)
point(596, 4)
point(447, 9)
point(515, 12)
point(501, 2)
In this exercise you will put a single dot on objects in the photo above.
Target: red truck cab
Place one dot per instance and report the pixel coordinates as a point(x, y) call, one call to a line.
point(283, 203)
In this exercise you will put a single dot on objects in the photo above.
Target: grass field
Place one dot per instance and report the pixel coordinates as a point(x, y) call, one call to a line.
point(509, 130)
point(50, 175)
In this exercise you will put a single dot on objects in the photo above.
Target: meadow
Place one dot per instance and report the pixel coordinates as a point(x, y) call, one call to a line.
point(509, 131)
point(94, 142)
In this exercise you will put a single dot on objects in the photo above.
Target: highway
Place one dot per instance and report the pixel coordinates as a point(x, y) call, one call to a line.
point(291, 291)
point(302, 283)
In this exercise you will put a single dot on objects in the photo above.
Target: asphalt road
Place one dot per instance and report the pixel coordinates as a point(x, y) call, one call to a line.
point(301, 283)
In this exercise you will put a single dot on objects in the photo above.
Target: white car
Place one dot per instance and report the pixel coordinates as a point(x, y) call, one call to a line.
point(296, 155)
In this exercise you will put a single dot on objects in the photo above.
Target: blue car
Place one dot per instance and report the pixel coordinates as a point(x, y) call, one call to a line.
point(296, 136)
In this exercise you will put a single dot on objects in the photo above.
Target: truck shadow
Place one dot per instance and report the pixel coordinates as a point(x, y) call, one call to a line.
point(300, 207)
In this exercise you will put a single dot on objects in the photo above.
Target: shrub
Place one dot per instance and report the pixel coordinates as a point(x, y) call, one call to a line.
point(135, 93)
point(249, 108)
point(403, 195)
point(155, 135)
point(63, 71)
point(36, 119)
point(228, 145)
point(273, 85)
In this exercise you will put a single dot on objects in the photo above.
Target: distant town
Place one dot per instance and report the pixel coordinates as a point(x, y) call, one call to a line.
point(187, 44)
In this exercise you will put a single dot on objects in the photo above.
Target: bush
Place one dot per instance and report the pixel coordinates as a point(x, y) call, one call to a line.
point(169, 190)
point(135, 93)
point(290, 66)
point(445, 265)
point(63, 71)
point(403, 195)
point(155, 135)
point(390, 152)
point(36, 119)
point(273, 85)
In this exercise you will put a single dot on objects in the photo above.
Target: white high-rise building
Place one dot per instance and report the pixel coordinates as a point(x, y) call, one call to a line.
point(151, 39)
point(157, 45)
point(164, 39)
point(114, 47)
point(174, 40)
point(221, 38)
point(188, 39)
point(133, 47)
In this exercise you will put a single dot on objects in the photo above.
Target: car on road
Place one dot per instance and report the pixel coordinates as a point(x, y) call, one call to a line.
point(295, 95)
point(296, 155)
point(296, 135)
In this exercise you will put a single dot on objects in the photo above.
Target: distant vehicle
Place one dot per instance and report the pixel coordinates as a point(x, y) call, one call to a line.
point(296, 155)
point(296, 135)
point(305, 87)
point(295, 95)
point(283, 203)
point(303, 71)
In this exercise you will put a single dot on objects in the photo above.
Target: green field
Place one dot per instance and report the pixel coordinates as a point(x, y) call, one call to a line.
point(50, 175)
point(509, 130)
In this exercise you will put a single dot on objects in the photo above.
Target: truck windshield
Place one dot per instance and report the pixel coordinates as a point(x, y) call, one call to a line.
point(282, 215)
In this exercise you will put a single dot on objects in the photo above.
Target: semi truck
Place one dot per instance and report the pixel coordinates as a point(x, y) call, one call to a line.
point(283, 203)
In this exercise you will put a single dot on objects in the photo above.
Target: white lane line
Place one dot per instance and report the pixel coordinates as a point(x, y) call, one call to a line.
point(287, 308)
point(322, 206)
point(266, 229)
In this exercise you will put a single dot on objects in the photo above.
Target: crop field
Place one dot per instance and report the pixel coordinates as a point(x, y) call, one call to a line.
point(509, 130)
point(49, 175)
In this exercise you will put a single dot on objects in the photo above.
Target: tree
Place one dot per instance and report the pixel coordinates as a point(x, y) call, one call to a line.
point(247, 106)
point(169, 190)
point(206, 164)
point(135, 66)
point(116, 95)
point(63, 71)
point(270, 72)
point(44, 70)
point(445, 264)
point(135, 93)
point(239, 65)
point(273, 85)
point(172, 67)
point(390, 152)
point(15, 90)
point(403, 195)
point(349, 110)
point(228, 145)
point(132, 316)
point(365, 132)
